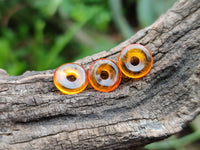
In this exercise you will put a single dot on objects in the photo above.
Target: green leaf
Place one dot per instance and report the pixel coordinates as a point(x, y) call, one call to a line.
point(146, 12)
point(47, 7)
point(17, 68)
point(39, 27)
point(79, 10)
point(102, 20)
point(149, 10)
point(66, 8)
point(196, 123)
point(174, 143)
point(4, 52)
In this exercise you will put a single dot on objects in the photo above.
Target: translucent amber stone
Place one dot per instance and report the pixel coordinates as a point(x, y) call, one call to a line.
point(104, 75)
point(135, 61)
point(70, 78)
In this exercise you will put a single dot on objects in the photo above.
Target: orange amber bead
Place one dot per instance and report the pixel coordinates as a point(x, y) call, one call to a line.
point(104, 75)
point(135, 61)
point(70, 78)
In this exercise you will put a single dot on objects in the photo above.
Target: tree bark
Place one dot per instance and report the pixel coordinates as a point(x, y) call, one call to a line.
point(35, 115)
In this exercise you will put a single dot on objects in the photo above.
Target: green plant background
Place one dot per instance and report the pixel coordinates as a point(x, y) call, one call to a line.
point(43, 34)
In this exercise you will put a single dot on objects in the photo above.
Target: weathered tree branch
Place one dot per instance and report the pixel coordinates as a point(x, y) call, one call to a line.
point(34, 115)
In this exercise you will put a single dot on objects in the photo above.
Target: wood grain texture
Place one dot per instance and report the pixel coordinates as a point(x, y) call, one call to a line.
point(35, 116)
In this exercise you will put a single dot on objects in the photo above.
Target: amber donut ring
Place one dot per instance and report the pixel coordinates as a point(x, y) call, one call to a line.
point(104, 75)
point(70, 78)
point(135, 61)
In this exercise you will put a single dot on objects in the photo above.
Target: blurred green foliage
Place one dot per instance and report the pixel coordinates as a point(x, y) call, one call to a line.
point(42, 34)
point(39, 35)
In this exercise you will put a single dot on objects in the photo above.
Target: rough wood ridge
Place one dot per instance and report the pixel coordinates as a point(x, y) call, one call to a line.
point(34, 115)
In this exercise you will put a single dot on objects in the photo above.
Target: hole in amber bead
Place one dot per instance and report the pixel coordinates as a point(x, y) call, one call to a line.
point(104, 75)
point(70, 78)
point(135, 61)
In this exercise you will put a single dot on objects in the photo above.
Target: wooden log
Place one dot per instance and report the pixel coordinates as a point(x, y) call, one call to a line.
point(34, 115)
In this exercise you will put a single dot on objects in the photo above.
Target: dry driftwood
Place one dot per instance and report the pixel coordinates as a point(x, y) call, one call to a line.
point(34, 115)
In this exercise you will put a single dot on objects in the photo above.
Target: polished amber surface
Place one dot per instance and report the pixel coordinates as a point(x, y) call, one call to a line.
point(70, 78)
point(104, 75)
point(135, 61)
